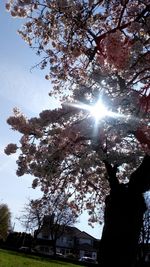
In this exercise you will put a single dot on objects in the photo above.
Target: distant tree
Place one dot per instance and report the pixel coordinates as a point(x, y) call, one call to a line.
point(144, 240)
point(145, 230)
point(50, 214)
point(5, 222)
point(17, 239)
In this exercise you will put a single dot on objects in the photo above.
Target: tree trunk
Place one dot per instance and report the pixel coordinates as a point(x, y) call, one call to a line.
point(54, 247)
point(124, 209)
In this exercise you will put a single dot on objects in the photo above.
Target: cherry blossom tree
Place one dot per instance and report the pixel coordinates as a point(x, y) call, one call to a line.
point(105, 33)
point(93, 51)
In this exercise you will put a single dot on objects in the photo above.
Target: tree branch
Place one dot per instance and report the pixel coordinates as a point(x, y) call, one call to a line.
point(102, 36)
point(122, 12)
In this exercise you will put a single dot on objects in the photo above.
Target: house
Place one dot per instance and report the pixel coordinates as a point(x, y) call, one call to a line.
point(79, 243)
point(70, 241)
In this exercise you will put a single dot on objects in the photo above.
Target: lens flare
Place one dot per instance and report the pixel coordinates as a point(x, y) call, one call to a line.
point(98, 111)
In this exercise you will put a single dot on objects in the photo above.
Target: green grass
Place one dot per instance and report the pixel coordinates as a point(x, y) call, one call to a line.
point(14, 259)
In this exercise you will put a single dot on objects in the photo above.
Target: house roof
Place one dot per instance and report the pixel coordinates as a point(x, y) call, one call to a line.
point(68, 230)
point(74, 231)
point(71, 230)
point(85, 235)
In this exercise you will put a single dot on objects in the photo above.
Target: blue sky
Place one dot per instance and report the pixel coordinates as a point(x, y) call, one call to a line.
point(29, 92)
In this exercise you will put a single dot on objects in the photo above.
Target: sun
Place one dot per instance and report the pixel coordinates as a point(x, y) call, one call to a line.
point(99, 110)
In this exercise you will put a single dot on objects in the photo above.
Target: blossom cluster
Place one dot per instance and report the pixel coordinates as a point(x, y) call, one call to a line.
point(116, 51)
point(10, 149)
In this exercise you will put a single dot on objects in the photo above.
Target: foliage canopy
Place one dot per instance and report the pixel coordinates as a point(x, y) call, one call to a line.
point(94, 49)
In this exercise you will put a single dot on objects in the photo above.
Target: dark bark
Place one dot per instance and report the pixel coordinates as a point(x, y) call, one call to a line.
point(124, 209)
point(54, 247)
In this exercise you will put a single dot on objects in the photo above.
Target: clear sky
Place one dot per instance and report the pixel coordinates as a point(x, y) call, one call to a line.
point(19, 87)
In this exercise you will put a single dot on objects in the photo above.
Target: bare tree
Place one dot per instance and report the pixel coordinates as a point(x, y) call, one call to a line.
point(50, 215)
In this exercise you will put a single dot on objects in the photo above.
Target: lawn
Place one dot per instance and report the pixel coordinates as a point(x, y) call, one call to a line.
point(13, 259)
